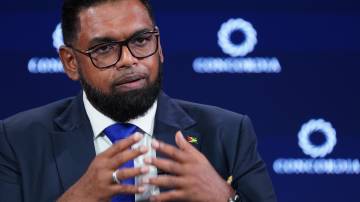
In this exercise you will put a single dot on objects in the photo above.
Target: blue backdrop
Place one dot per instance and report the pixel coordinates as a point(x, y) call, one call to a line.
point(296, 76)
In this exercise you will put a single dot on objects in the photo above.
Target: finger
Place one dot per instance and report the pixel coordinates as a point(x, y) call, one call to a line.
point(182, 143)
point(166, 165)
point(126, 189)
point(169, 150)
point(127, 155)
point(122, 145)
point(166, 181)
point(173, 195)
point(131, 172)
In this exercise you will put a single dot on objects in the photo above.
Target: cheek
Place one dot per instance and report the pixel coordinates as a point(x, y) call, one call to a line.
point(97, 79)
point(153, 69)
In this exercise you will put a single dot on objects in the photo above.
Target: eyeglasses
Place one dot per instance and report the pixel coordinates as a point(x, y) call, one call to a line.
point(106, 55)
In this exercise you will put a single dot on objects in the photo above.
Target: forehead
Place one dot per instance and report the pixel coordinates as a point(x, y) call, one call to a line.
point(118, 19)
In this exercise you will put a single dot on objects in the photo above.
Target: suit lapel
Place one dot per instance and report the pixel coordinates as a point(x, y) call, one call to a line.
point(170, 118)
point(73, 143)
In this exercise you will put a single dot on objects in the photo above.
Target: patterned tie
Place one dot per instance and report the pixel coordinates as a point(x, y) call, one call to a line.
point(116, 132)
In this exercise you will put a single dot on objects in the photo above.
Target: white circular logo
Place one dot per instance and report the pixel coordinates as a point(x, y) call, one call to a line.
point(228, 28)
point(57, 37)
point(308, 129)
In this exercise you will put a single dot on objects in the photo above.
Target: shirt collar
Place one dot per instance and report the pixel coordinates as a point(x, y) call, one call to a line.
point(100, 121)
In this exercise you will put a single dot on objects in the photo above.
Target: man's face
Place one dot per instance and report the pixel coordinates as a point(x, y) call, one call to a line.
point(129, 88)
point(117, 21)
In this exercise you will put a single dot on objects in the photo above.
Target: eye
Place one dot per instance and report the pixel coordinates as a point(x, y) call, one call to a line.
point(104, 49)
point(141, 40)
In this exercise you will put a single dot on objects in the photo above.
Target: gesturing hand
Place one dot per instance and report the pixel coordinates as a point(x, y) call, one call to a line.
point(97, 184)
point(192, 176)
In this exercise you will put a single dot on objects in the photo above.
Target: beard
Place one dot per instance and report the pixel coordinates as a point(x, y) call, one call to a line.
point(123, 106)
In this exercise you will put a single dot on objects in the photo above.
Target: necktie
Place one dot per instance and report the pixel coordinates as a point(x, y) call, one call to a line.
point(116, 132)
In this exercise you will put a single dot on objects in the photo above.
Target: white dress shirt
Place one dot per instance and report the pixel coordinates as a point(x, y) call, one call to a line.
point(99, 122)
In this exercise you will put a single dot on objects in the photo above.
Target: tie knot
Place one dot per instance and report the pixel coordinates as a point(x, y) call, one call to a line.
point(119, 131)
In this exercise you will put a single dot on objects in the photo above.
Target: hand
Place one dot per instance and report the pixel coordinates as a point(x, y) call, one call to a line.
point(97, 184)
point(193, 178)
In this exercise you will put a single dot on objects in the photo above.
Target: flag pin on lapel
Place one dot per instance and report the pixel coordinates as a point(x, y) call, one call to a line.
point(192, 140)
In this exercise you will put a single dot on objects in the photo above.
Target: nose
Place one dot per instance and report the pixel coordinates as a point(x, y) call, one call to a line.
point(126, 59)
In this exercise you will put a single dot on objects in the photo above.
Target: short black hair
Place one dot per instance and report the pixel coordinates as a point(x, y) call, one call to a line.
point(70, 15)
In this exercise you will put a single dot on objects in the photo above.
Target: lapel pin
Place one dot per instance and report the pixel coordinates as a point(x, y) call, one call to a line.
point(230, 179)
point(192, 140)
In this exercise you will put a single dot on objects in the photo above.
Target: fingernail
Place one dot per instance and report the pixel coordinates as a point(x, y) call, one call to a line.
point(141, 189)
point(155, 143)
point(179, 138)
point(144, 169)
point(181, 134)
point(138, 137)
point(145, 181)
point(147, 160)
point(143, 149)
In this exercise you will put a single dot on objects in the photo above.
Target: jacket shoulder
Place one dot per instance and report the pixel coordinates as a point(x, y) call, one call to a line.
point(209, 113)
point(43, 115)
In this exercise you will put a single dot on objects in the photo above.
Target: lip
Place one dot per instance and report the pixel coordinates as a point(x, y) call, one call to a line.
point(131, 82)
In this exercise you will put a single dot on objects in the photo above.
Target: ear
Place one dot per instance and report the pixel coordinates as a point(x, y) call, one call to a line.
point(69, 62)
point(161, 54)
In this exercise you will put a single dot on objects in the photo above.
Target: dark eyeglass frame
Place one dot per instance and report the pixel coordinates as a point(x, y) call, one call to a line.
point(89, 51)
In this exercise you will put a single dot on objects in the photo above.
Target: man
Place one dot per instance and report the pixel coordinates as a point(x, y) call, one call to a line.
point(178, 151)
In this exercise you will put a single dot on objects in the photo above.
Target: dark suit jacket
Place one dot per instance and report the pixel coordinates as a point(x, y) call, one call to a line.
point(45, 150)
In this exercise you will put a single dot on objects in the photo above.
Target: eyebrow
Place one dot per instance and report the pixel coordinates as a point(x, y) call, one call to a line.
point(100, 40)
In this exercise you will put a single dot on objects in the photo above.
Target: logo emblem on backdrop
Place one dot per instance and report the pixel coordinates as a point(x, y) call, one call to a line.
point(49, 65)
point(237, 63)
point(309, 129)
point(225, 42)
point(317, 164)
